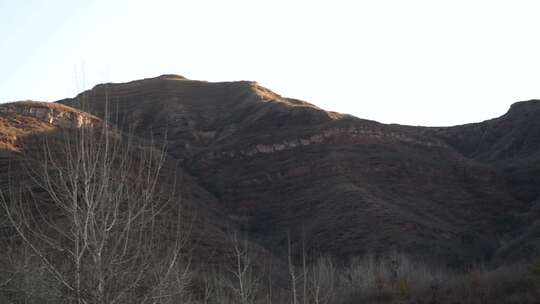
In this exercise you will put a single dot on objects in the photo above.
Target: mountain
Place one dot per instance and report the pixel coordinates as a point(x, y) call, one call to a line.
point(339, 185)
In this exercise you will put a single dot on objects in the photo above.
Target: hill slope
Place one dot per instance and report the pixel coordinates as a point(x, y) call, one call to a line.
point(511, 145)
point(343, 184)
point(26, 126)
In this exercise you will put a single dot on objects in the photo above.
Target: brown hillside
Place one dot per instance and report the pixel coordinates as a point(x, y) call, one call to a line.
point(26, 126)
point(345, 184)
point(511, 145)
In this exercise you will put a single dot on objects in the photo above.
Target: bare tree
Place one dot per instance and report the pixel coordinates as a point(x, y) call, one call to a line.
point(244, 270)
point(102, 215)
point(322, 281)
point(317, 276)
point(217, 288)
point(292, 270)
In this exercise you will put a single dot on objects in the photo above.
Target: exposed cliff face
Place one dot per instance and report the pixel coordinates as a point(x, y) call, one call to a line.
point(25, 117)
point(347, 185)
point(53, 114)
point(332, 135)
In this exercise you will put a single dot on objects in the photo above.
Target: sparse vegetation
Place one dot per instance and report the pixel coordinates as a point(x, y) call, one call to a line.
point(96, 218)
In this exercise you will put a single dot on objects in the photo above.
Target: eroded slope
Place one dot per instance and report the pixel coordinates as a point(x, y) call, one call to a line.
point(344, 184)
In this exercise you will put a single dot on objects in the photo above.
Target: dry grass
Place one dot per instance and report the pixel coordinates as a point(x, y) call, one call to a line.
point(398, 279)
point(394, 278)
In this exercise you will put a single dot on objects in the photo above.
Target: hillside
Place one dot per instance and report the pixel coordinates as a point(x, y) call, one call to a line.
point(269, 198)
point(511, 145)
point(27, 126)
point(344, 185)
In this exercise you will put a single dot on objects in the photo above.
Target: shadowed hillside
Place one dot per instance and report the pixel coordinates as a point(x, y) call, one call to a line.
point(26, 128)
point(346, 185)
point(511, 145)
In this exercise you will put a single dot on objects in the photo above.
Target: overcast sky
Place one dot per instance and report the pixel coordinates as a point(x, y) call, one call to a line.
point(411, 62)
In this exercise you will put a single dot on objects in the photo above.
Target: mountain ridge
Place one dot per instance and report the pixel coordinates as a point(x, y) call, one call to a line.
point(280, 164)
point(341, 184)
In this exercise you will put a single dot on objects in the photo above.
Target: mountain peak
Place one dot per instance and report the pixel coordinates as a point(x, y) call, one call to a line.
point(524, 107)
point(172, 77)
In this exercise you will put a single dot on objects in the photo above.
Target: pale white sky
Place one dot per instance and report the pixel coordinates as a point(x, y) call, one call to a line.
point(415, 62)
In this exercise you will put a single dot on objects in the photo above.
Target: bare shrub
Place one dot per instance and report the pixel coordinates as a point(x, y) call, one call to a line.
point(98, 212)
point(245, 274)
point(322, 280)
point(390, 277)
point(23, 278)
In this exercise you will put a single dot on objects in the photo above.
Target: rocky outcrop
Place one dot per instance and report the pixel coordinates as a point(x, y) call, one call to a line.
point(23, 118)
point(333, 135)
point(53, 114)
